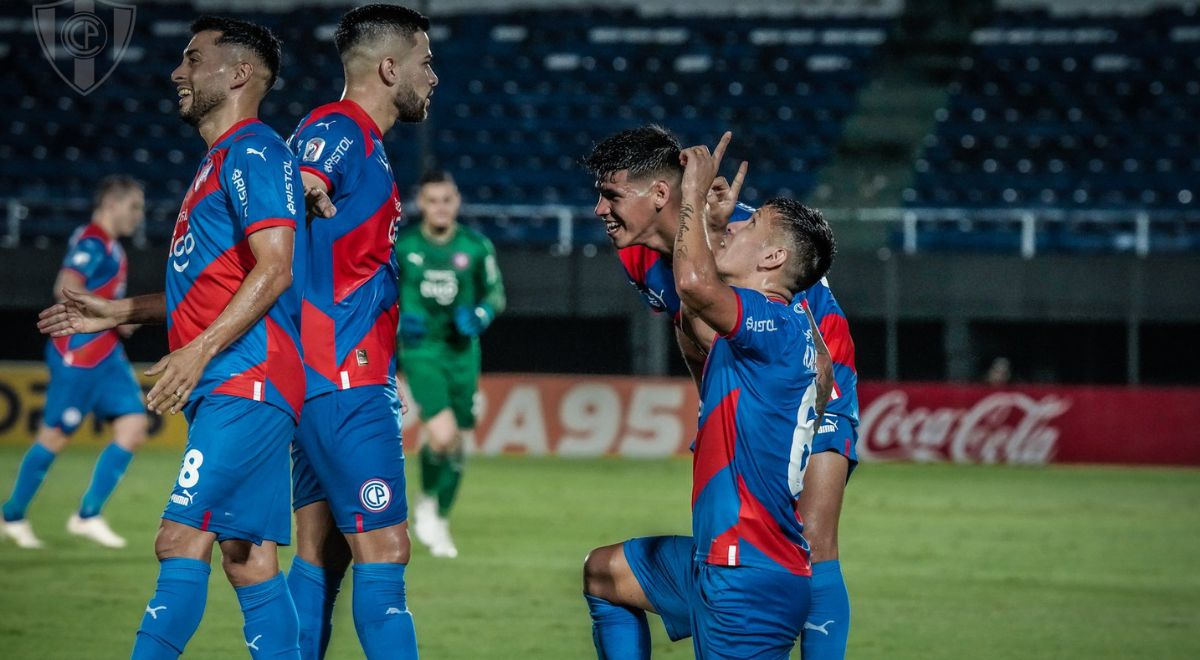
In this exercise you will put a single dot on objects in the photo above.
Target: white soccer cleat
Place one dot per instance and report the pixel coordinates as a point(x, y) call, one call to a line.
point(425, 521)
point(444, 547)
point(21, 533)
point(94, 529)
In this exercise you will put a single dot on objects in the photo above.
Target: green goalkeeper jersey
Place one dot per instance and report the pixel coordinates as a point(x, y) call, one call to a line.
point(437, 279)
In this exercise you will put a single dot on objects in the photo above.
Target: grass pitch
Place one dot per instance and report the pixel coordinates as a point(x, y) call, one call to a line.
point(941, 561)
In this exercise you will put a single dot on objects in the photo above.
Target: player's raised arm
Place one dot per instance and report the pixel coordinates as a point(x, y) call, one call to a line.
point(696, 279)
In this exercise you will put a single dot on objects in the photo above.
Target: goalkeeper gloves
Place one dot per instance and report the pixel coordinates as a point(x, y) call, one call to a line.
point(472, 321)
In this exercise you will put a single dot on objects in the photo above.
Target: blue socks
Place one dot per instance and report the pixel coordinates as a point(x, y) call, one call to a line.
point(29, 478)
point(175, 610)
point(110, 467)
point(381, 616)
point(271, 628)
point(828, 626)
point(314, 590)
point(619, 632)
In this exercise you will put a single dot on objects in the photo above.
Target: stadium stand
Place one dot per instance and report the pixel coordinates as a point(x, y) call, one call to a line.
point(510, 123)
point(1087, 121)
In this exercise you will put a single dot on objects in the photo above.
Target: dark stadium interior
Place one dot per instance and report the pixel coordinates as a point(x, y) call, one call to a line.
point(942, 131)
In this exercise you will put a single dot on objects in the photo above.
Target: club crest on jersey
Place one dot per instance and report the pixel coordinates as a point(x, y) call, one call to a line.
point(313, 150)
point(461, 260)
point(375, 495)
point(203, 176)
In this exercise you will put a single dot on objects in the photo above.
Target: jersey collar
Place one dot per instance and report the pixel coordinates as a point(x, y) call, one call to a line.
point(360, 116)
point(235, 128)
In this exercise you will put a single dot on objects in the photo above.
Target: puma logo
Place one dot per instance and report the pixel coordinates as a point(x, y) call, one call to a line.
point(394, 610)
point(260, 153)
point(821, 628)
point(153, 611)
point(253, 644)
point(326, 124)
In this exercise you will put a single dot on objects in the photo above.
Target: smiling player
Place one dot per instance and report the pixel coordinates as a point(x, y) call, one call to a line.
point(233, 326)
point(638, 175)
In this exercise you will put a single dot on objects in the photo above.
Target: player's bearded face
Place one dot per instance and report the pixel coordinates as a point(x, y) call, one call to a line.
point(412, 99)
point(411, 106)
point(201, 102)
point(198, 78)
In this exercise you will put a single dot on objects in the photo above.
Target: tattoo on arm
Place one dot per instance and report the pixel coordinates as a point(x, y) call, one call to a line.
point(686, 212)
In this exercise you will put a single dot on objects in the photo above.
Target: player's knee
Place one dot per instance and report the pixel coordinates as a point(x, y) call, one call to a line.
point(180, 541)
point(243, 566)
point(52, 439)
point(131, 432)
point(597, 572)
point(388, 545)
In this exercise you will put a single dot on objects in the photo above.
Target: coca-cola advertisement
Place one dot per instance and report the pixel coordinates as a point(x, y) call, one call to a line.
point(1029, 424)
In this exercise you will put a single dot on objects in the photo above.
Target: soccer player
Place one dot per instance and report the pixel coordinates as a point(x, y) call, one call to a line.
point(637, 174)
point(232, 309)
point(88, 373)
point(450, 291)
point(348, 462)
point(740, 584)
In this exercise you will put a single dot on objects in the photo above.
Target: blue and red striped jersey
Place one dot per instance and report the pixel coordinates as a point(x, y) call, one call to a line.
point(350, 309)
point(100, 261)
point(758, 417)
point(248, 181)
point(650, 273)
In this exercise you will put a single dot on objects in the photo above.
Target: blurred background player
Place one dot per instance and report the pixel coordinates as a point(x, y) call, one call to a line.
point(348, 459)
point(235, 371)
point(450, 292)
point(637, 176)
point(89, 373)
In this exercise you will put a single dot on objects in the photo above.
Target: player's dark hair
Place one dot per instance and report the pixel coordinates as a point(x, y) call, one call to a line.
point(646, 150)
point(435, 176)
point(114, 184)
point(260, 40)
point(373, 21)
point(811, 237)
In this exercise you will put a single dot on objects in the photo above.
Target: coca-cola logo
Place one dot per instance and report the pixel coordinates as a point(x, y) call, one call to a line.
point(1005, 427)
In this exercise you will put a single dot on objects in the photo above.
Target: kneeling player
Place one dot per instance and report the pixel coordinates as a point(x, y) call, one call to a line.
point(740, 585)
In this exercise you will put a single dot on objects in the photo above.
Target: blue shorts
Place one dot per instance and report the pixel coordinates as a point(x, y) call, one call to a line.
point(730, 612)
point(234, 477)
point(348, 453)
point(838, 434)
point(108, 389)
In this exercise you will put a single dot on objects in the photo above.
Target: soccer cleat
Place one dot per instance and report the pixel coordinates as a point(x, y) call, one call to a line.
point(425, 521)
point(94, 529)
point(21, 532)
point(444, 545)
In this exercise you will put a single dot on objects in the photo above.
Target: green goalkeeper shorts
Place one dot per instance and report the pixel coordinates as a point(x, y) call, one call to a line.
point(440, 377)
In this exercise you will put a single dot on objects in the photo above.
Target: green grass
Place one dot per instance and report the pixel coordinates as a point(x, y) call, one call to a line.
point(941, 561)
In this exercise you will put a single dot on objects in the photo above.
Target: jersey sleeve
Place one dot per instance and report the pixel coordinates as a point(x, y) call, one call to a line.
point(764, 329)
point(490, 280)
point(323, 147)
point(264, 185)
point(85, 257)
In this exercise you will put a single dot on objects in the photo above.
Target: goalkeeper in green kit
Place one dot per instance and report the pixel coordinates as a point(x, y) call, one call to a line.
point(450, 291)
